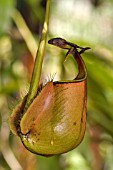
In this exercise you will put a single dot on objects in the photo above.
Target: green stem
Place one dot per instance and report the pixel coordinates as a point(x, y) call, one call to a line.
point(38, 61)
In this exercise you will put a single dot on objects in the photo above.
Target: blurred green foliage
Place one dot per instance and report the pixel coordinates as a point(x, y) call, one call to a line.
point(86, 23)
point(6, 8)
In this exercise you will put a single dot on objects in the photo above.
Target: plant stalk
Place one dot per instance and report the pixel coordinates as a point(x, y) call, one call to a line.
point(38, 61)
